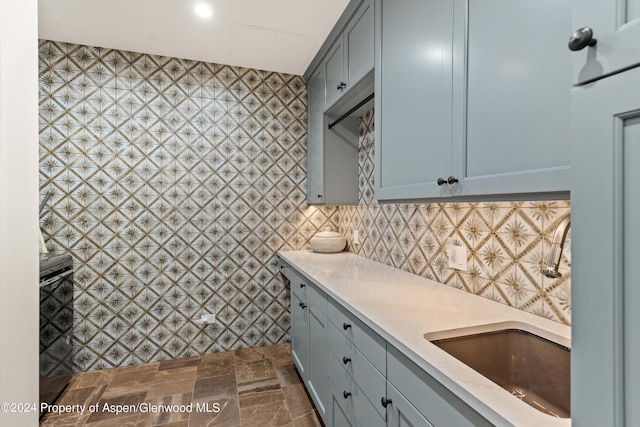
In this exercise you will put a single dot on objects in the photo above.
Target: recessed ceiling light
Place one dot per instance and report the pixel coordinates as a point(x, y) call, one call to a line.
point(203, 10)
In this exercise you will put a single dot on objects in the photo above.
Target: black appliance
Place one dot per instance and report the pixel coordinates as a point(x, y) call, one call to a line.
point(56, 324)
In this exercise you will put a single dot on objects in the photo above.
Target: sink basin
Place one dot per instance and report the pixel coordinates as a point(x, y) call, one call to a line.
point(531, 368)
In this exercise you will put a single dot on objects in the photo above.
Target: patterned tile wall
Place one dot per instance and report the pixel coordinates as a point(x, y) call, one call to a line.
point(506, 242)
point(174, 183)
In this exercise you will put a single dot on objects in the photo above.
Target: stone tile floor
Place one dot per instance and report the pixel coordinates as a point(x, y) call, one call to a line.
point(257, 387)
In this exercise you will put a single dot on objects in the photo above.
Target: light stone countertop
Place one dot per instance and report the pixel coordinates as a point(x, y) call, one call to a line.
point(402, 307)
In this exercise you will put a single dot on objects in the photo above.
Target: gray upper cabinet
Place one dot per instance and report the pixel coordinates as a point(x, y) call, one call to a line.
point(315, 138)
point(334, 72)
point(339, 78)
point(351, 57)
point(464, 95)
point(358, 44)
point(616, 28)
point(413, 84)
point(332, 154)
point(512, 97)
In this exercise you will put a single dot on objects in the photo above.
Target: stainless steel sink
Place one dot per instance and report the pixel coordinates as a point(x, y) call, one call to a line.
point(532, 368)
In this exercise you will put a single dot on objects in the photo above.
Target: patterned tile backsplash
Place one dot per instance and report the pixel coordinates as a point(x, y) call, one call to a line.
point(174, 183)
point(506, 243)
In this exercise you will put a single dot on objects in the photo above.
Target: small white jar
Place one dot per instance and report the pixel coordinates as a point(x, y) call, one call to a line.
point(327, 241)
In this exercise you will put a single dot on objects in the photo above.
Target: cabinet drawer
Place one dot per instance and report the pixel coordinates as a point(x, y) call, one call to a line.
point(296, 282)
point(363, 372)
point(355, 405)
point(316, 297)
point(365, 340)
point(436, 403)
point(285, 269)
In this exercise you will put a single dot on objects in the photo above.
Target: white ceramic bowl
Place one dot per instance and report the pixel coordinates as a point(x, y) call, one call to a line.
point(327, 241)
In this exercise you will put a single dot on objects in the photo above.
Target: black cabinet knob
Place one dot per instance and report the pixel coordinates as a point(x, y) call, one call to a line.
point(346, 360)
point(346, 394)
point(451, 180)
point(303, 305)
point(341, 86)
point(319, 196)
point(346, 326)
point(385, 401)
point(302, 285)
point(581, 38)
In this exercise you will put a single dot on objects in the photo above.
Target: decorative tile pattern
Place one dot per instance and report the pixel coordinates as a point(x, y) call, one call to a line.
point(507, 242)
point(365, 163)
point(174, 183)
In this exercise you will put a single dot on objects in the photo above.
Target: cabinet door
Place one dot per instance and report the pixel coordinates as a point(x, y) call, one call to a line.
point(300, 334)
point(441, 406)
point(318, 350)
point(605, 208)
point(511, 128)
point(358, 44)
point(616, 27)
point(315, 135)
point(400, 413)
point(334, 72)
point(413, 97)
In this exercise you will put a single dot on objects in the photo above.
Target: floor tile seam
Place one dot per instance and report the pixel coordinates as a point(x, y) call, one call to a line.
point(172, 381)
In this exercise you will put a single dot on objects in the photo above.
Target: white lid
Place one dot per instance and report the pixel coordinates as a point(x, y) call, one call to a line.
point(327, 232)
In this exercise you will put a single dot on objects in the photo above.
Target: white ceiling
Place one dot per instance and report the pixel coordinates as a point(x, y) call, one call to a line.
point(273, 35)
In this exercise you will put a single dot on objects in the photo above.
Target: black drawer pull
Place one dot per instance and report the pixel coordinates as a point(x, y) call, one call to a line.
point(302, 285)
point(385, 401)
point(346, 394)
point(303, 305)
point(346, 326)
point(346, 360)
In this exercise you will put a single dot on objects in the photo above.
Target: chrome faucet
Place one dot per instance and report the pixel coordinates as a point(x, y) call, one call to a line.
point(560, 235)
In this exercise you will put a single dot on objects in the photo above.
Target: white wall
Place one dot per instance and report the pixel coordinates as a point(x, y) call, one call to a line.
point(18, 207)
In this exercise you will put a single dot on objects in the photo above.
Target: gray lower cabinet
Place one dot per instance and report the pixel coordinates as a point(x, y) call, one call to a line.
point(437, 404)
point(457, 96)
point(317, 380)
point(355, 378)
point(357, 367)
point(309, 337)
point(299, 332)
point(348, 393)
point(339, 417)
point(401, 413)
